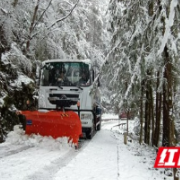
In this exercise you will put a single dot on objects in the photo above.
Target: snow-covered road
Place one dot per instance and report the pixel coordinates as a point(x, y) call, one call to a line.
point(105, 157)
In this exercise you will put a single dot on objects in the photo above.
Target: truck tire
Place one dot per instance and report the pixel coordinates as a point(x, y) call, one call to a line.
point(91, 132)
point(99, 127)
point(88, 135)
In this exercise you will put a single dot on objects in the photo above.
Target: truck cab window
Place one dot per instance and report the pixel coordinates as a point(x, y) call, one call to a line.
point(74, 73)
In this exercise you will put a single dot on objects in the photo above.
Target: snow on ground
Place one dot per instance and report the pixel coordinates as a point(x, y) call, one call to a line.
point(105, 157)
point(109, 116)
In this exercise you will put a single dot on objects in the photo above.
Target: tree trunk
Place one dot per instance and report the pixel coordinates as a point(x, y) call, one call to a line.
point(146, 125)
point(168, 121)
point(168, 87)
point(148, 109)
point(158, 114)
point(151, 113)
point(141, 112)
point(1, 132)
point(167, 100)
point(32, 27)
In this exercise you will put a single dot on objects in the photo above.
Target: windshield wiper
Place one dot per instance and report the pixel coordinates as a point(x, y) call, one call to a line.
point(60, 86)
point(79, 87)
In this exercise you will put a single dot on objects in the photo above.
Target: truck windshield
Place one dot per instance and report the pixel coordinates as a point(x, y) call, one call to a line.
point(65, 74)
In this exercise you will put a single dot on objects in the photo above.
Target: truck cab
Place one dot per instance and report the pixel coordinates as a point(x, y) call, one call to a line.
point(71, 85)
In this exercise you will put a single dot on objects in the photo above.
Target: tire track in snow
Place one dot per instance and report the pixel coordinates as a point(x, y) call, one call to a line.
point(115, 136)
point(48, 171)
point(118, 170)
point(6, 151)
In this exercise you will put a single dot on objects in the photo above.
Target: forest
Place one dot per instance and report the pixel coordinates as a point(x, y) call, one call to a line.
point(134, 43)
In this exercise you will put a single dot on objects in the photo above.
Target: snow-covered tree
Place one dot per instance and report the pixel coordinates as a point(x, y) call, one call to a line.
point(37, 30)
point(142, 63)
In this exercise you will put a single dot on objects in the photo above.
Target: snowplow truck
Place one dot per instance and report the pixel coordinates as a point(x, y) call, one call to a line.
point(69, 102)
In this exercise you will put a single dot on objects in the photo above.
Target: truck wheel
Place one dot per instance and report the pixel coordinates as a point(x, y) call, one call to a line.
point(88, 135)
point(99, 127)
point(91, 133)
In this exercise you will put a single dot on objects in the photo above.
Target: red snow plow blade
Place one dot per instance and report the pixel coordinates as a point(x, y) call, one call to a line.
point(54, 123)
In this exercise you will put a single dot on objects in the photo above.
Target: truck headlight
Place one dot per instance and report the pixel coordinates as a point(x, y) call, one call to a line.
point(86, 116)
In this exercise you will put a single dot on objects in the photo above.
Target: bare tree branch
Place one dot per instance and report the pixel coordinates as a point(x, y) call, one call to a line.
point(59, 20)
point(42, 14)
point(32, 26)
point(63, 18)
point(3, 11)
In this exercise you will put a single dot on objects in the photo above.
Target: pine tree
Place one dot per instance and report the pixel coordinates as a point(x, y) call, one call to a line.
point(143, 53)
